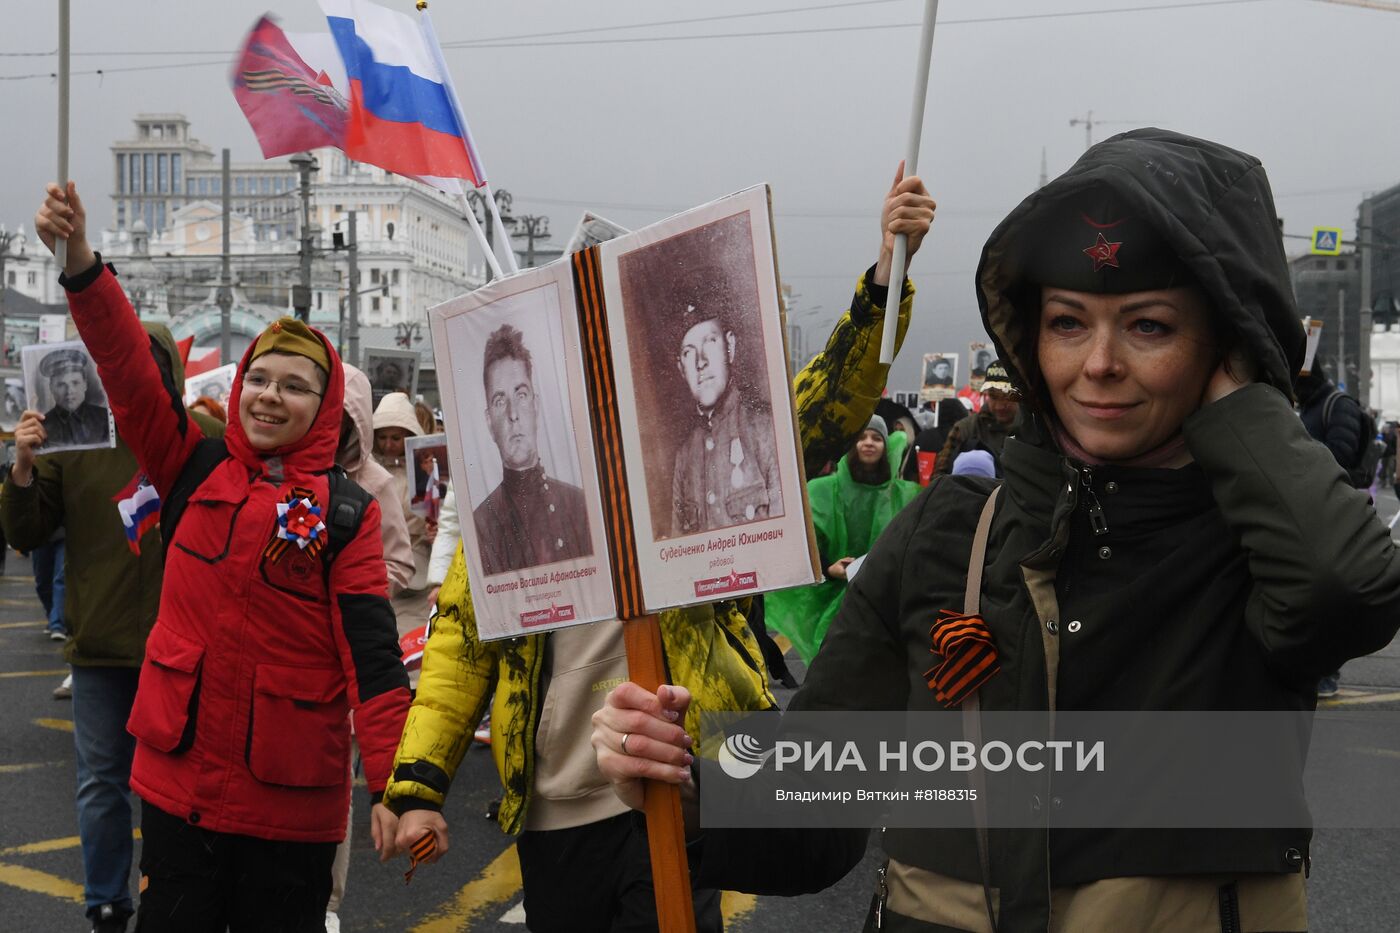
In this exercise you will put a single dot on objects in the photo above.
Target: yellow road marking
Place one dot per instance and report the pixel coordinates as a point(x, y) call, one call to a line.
point(497, 883)
point(9, 601)
point(735, 906)
point(782, 642)
point(35, 623)
point(1365, 698)
point(31, 766)
point(62, 725)
point(40, 882)
point(48, 845)
point(60, 672)
point(52, 845)
point(1379, 752)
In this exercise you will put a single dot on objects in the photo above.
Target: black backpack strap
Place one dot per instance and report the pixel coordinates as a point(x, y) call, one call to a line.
point(1327, 407)
point(207, 455)
point(346, 509)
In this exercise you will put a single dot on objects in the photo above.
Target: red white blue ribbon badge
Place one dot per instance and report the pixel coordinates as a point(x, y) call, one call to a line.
point(299, 521)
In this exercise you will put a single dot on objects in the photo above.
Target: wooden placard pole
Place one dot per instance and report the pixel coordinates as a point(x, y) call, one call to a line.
point(670, 871)
point(911, 167)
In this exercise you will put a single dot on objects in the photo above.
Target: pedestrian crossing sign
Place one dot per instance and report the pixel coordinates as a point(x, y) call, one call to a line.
point(1326, 241)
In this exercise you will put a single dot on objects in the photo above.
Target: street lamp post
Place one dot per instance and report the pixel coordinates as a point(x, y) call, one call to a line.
point(6, 237)
point(532, 227)
point(301, 293)
point(504, 199)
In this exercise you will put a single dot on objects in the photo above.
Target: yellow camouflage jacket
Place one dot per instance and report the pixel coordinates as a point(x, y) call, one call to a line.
point(709, 649)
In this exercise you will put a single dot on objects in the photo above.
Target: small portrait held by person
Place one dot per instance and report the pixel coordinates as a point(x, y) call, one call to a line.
point(1165, 536)
point(274, 623)
point(73, 420)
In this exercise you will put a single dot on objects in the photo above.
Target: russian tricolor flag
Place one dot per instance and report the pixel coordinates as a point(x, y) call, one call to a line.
point(139, 506)
point(404, 114)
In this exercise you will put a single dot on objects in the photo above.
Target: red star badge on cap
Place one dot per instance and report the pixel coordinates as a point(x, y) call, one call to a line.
point(1103, 253)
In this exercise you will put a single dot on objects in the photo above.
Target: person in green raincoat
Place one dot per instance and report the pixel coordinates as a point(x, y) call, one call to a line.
point(850, 508)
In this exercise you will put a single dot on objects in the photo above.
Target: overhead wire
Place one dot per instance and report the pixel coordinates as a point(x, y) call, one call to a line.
point(523, 40)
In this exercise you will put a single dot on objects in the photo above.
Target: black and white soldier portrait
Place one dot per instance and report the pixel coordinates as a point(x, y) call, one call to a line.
point(391, 370)
point(530, 518)
point(61, 382)
point(938, 371)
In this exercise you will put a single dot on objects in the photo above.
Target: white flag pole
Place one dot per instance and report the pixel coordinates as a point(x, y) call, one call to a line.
point(505, 234)
point(425, 23)
point(480, 235)
point(61, 245)
point(911, 167)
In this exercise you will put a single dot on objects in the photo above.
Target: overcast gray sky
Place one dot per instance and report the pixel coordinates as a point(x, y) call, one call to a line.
point(813, 102)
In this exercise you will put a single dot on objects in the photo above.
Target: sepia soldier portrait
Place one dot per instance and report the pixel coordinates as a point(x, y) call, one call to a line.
point(726, 469)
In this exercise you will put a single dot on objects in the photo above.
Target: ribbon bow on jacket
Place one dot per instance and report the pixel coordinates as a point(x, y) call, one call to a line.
point(969, 658)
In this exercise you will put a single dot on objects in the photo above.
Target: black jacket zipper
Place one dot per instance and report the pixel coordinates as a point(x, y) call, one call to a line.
point(1098, 522)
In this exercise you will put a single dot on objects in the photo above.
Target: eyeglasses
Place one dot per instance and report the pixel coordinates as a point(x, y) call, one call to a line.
point(290, 388)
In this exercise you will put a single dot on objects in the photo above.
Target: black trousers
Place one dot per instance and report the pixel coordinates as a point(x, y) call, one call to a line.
point(596, 878)
point(197, 881)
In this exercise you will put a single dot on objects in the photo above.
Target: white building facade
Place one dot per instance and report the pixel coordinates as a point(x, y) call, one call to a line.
point(415, 248)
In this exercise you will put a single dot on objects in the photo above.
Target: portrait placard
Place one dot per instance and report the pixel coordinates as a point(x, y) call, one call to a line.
point(14, 404)
point(517, 412)
point(716, 485)
point(980, 355)
point(940, 376)
point(390, 369)
point(1313, 328)
point(428, 473)
point(591, 231)
point(60, 380)
point(217, 384)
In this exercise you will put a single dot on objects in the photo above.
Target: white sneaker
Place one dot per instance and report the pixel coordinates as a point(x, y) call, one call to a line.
point(332, 922)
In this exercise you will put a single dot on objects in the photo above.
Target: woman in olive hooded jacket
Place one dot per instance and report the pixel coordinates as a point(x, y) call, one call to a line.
point(1162, 499)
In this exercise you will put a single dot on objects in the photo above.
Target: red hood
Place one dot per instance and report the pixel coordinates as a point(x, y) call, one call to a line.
point(315, 452)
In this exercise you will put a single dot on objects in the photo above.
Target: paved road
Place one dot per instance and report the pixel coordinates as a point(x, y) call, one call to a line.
point(476, 887)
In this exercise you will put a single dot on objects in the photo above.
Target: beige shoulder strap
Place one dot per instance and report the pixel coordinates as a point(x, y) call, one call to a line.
point(972, 707)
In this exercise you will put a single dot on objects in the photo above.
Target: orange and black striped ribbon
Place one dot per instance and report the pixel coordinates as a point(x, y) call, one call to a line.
point(420, 852)
point(278, 545)
point(607, 433)
point(969, 657)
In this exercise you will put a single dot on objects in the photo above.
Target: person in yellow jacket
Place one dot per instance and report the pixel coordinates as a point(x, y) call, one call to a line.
point(584, 863)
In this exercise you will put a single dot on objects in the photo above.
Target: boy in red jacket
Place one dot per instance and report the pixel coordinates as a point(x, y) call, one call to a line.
point(269, 630)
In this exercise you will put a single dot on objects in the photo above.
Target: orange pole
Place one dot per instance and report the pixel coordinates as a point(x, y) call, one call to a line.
point(670, 871)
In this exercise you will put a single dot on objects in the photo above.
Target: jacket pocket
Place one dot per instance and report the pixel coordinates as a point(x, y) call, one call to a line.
point(167, 700)
point(298, 735)
point(206, 526)
point(748, 502)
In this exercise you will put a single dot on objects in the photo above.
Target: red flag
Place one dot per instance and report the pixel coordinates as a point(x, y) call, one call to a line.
point(289, 105)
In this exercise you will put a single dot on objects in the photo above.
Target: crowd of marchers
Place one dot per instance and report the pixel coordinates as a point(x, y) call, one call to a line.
point(1158, 505)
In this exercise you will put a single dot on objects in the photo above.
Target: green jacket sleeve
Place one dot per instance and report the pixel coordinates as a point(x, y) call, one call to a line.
point(1326, 573)
point(456, 682)
point(31, 514)
point(837, 391)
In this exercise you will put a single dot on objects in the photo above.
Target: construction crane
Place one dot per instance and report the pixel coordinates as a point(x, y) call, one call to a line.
point(1088, 122)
